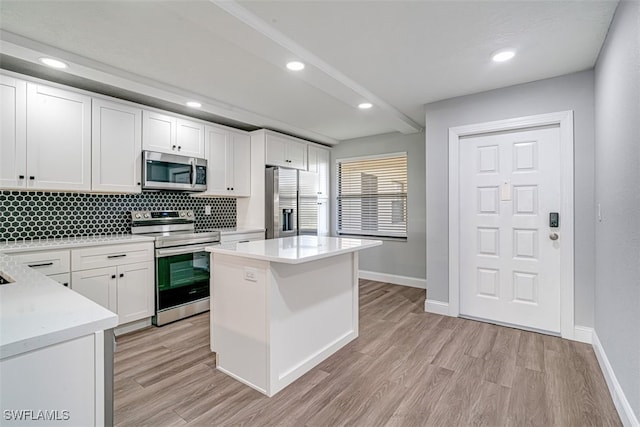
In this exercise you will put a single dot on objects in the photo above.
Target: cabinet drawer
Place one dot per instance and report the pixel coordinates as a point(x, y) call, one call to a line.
point(109, 256)
point(244, 237)
point(47, 263)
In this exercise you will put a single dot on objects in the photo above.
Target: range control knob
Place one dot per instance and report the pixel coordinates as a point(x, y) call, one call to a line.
point(182, 214)
point(138, 216)
point(189, 213)
point(146, 215)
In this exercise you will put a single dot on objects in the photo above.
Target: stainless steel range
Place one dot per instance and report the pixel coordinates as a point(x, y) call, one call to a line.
point(182, 265)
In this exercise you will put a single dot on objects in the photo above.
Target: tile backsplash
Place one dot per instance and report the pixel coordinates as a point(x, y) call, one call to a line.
point(33, 214)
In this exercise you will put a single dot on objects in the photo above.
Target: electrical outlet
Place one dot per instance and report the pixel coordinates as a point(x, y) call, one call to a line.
point(207, 210)
point(250, 274)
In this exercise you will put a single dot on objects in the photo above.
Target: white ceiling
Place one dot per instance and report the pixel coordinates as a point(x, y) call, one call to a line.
point(399, 55)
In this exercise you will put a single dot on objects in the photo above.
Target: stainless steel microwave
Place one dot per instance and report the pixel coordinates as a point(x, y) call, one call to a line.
point(162, 171)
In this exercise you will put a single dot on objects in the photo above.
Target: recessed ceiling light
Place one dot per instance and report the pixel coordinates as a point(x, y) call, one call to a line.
point(53, 63)
point(503, 55)
point(194, 104)
point(365, 105)
point(295, 65)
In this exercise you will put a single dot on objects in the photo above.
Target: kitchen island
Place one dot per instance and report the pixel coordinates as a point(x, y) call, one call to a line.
point(281, 306)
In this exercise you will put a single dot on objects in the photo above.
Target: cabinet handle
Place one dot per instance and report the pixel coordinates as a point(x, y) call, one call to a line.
point(173, 148)
point(121, 274)
point(32, 178)
point(138, 183)
point(113, 276)
point(179, 148)
point(117, 256)
point(231, 188)
point(44, 264)
point(65, 284)
point(20, 176)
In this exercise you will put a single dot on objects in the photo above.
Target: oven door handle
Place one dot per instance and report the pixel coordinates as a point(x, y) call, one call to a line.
point(183, 250)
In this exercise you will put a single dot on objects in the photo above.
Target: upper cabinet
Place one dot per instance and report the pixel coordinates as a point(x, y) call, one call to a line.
point(319, 163)
point(58, 139)
point(13, 132)
point(286, 151)
point(170, 134)
point(116, 147)
point(228, 156)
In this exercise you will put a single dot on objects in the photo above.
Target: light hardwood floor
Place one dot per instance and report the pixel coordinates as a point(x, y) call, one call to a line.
point(407, 368)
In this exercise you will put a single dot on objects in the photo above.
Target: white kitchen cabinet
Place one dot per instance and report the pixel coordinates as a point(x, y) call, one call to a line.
point(58, 139)
point(63, 379)
point(119, 277)
point(116, 147)
point(98, 284)
point(285, 151)
point(318, 161)
point(228, 161)
point(13, 132)
point(323, 217)
point(170, 134)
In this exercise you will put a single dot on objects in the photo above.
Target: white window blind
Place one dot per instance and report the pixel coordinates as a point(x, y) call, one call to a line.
point(372, 196)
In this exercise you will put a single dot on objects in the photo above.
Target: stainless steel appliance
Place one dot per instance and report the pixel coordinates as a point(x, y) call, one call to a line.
point(161, 171)
point(182, 264)
point(291, 202)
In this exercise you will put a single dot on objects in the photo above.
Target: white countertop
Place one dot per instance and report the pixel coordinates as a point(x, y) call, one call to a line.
point(71, 242)
point(239, 230)
point(36, 311)
point(294, 250)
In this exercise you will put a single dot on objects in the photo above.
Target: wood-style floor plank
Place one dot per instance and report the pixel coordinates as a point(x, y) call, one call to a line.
point(407, 368)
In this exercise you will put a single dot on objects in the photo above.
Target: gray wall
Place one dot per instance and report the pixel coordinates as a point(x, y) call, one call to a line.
point(393, 257)
point(617, 95)
point(570, 92)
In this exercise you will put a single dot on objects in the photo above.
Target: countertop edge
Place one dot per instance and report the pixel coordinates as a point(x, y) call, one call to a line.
point(222, 250)
point(70, 243)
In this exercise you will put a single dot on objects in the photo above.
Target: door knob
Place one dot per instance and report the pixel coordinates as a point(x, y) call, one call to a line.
point(553, 236)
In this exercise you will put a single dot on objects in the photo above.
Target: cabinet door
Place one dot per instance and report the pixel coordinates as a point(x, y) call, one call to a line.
point(322, 164)
point(158, 132)
point(135, 292)
point(216, 143)
point(239, 169)
point(312, 158)
point(190, 138)
point(297, 155)
point(13, 133)
point(99, 285)
point(276, 148)
point(323, 217)
point(58, 139)
point(116, 147)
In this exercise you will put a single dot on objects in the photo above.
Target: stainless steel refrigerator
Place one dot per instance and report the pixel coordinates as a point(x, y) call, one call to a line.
point(291, 202)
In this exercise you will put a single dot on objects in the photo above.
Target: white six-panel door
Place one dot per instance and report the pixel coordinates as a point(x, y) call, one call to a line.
point(509, 265)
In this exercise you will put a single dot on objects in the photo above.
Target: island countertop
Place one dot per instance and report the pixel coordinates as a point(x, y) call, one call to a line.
point(296, 249)
point(36, 311)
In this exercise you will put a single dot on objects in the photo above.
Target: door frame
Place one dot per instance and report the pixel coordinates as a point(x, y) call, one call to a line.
point(565, 120)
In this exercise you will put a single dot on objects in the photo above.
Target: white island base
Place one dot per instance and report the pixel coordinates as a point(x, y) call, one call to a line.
point(279, 307)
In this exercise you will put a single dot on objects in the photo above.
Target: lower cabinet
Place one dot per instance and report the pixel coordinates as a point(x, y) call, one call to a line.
point(118, 277)
point(60, 384)
point(126, 289)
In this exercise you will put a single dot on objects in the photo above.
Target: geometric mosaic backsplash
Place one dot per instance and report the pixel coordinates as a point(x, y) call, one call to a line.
point(33, 214)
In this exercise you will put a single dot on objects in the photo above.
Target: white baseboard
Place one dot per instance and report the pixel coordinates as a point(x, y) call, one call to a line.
point(583, 334)
point(414, 282)
point(625, 411)
point(436, 307)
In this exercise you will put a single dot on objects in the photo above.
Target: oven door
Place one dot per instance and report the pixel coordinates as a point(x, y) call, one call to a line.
point(182, 275)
